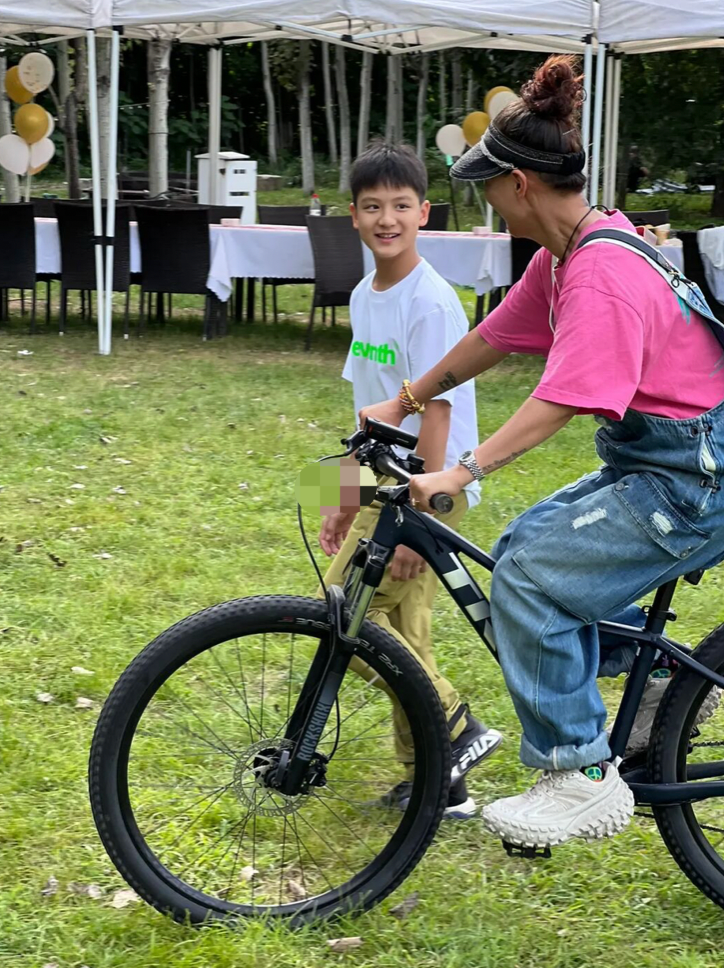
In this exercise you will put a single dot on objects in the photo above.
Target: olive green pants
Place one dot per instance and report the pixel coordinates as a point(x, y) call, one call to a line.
point(404, 609)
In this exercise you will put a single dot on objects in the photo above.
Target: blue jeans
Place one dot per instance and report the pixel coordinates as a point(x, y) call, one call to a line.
point(652, 513)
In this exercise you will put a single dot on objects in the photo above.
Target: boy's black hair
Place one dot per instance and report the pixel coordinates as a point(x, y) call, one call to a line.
point(393, 165)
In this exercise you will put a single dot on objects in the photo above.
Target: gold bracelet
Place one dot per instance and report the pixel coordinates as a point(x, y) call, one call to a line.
point(409, 403)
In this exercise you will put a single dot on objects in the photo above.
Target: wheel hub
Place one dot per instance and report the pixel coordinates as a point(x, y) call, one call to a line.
point(256, 777)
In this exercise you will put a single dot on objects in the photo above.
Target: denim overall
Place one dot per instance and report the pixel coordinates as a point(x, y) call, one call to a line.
point(653, 512)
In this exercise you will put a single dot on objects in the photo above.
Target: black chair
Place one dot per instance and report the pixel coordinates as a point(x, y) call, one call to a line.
point(521, 252)
point(175, 253)
point(694, 270)
point(659, 216)
point(338, 263)
point(17, 244)
point(78, 254)
point(438, 218)
point(217, 212)
point(44, 207)
point(282, 215)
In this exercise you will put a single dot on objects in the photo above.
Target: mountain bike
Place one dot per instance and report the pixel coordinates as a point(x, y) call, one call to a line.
point(239, 766)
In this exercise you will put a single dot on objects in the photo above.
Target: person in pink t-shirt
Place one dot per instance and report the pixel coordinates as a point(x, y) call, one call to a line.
point(620, 344)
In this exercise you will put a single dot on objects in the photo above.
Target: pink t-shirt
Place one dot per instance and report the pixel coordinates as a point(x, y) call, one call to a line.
point(620, 337)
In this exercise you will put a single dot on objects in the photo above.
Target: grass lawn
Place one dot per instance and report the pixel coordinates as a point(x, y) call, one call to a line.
point(178, 425)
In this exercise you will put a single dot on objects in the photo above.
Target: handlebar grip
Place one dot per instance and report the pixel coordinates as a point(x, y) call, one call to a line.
point(442, 503)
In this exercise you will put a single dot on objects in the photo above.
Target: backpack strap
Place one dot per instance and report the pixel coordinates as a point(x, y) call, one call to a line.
point(684, 289)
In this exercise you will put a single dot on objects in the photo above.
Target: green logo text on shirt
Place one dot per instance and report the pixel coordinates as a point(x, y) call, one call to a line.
point(378, 354)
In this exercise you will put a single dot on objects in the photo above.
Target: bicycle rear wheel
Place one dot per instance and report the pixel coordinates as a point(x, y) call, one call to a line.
point(183, 742)
point(681, 750)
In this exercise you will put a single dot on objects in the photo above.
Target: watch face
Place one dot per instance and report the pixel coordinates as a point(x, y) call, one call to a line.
point(467, 455)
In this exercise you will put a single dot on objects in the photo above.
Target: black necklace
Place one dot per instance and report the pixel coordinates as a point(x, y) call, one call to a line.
point(570, 238)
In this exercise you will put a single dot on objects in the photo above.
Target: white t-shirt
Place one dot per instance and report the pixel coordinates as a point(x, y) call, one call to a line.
point(400, 334)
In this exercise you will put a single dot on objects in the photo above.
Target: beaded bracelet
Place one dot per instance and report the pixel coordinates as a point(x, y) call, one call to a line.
point(409, 403)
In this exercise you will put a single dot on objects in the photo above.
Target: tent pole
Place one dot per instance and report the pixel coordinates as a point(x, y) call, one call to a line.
point(214, 82)
point(588, 91)
point(617, 65)
point(597, 119)
point(112, 185)
point(95, 147)
point(608, 131)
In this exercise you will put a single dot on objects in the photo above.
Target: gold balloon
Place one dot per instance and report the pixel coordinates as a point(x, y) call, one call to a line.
point(31, 123)
point(475, 126)
point(36, 171)
point(492, 92)
point(14, 87)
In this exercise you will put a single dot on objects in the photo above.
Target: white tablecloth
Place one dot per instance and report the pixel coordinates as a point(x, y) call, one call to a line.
point(482, 262)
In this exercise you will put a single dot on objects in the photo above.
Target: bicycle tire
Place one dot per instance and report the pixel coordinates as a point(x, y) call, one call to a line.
point(680, 828)
point(150, 671)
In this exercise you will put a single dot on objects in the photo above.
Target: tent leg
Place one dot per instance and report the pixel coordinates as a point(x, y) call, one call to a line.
point(613, 162)
point(608, 130)
point(214, 80)
point(588, 92)
point(95, 167)
point(597, 121)
point(112, 187)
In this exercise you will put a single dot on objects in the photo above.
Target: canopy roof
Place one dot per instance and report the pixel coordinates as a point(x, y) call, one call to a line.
point(660, 20)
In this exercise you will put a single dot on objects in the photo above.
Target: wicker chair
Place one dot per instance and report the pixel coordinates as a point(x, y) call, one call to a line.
point(175, 253)
point(338, 263)
point(438, 218)
point(658, 216)
point(282, 215)
point(694, 270)
point(78, 258)
point(17, 244)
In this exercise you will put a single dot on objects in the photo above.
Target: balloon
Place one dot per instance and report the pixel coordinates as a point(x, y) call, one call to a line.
point(14, 154)
point(450, 140)
point(41, 153)
point(36, 72)
point(499, 101)
point(36, 171)
point(491, 94)
point(31, 122)
point(14, 88)
point(475, 126)
point(51, 125)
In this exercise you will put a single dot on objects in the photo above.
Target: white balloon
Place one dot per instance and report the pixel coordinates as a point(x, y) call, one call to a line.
point(51, 125)
point(36, 72)
point(14, 154)
point(499, 101)
point(41, 152)
point(451, 140)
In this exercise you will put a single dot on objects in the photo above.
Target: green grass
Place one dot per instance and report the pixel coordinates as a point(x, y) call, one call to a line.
point(183, 536)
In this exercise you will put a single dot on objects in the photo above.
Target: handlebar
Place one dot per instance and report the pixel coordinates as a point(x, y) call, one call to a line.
point(385, 464)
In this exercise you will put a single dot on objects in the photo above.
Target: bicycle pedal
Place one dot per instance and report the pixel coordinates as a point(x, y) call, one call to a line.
point(530, 853)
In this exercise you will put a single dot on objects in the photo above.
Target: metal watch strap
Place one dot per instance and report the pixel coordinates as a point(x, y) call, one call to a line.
point(469, 463)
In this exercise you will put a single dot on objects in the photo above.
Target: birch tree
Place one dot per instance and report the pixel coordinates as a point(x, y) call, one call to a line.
point(393, 121)
point(424, 76)
point(457, 86)
point(159, 70)
point(12, 186)
point(271, 109)
point(329, 106)
point(365, 98)
point(305, 117)
point(345, 134)
point(442, 80)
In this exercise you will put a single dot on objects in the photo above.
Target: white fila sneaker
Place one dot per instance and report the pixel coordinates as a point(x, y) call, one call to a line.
point(562, 805)
point(473, 745)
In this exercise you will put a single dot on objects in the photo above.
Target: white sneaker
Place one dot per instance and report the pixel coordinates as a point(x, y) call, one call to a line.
point(653, 694)
point(562, 805)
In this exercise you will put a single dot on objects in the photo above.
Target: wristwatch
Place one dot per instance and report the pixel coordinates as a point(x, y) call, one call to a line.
point(469, 463)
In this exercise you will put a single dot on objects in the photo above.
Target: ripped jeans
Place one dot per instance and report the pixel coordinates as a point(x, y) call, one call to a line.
point(585, 554)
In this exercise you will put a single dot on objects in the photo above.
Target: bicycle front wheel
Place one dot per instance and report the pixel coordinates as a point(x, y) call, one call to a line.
point(183, 743)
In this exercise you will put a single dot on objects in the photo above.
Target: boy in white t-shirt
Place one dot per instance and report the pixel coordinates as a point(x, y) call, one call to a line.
point(405, 318)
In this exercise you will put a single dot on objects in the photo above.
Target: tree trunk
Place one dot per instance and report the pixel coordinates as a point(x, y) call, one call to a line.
point(159, 69)
point(103, 68)
point(305, 118)
point(424, 76)
point(271, 111)
point(457, 86)
point(12, 186)
point(329, 107)
point(365, 97)
point(345, 134)
point(717, 201)
point(442, 78)
point(471, 96)
point(391, 105)
point(399, 100)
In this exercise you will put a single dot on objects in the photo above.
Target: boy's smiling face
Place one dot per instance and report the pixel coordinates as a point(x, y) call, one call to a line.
point(388, 219)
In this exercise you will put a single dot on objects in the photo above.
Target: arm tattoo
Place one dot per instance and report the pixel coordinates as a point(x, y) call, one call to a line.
point(489, 468)
point(448, 382)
